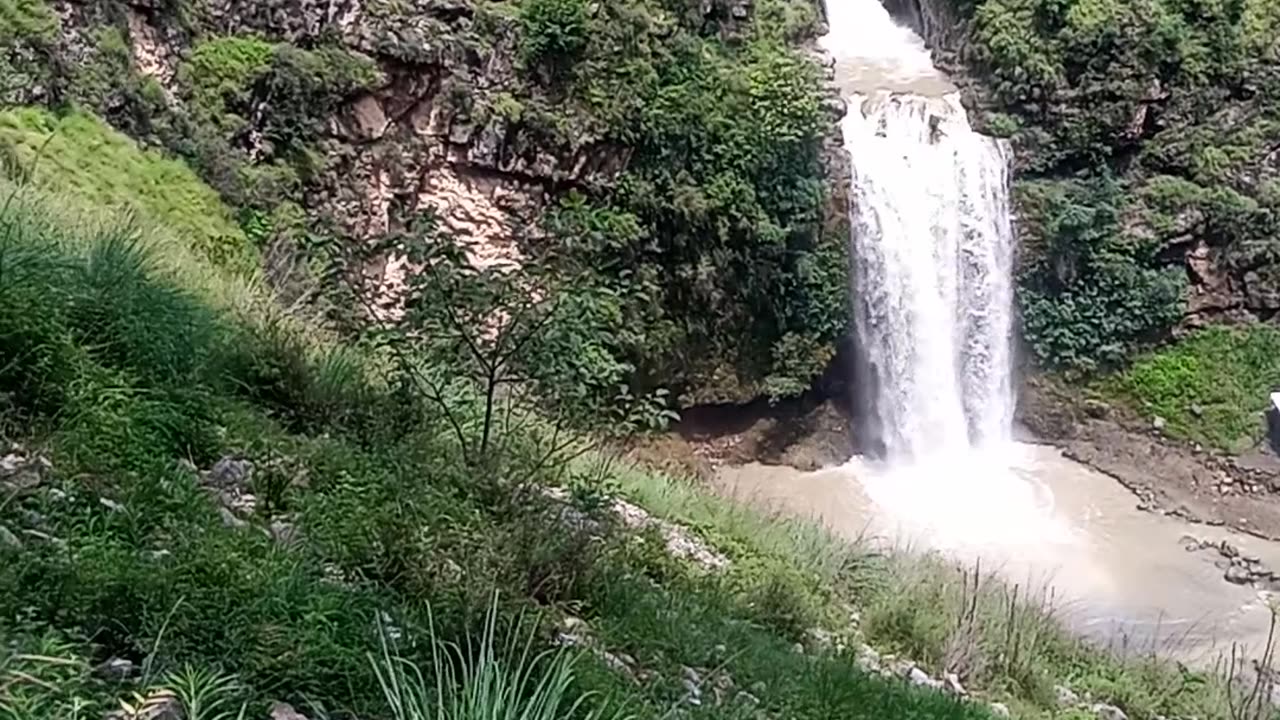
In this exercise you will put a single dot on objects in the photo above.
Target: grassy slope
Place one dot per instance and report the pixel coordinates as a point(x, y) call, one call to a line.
point(1210, 388)
point(117, 370)
point(82, 157)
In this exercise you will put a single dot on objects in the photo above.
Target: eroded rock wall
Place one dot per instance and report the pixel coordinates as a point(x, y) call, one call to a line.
point(1223, 242)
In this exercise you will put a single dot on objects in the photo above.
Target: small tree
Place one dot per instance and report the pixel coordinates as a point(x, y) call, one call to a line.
point(488, 347)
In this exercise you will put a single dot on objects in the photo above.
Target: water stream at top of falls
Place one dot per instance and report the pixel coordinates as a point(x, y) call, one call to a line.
point(932, 244)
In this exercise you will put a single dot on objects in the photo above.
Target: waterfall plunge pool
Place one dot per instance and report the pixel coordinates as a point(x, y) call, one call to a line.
point(932, 245)
point(1119, 575)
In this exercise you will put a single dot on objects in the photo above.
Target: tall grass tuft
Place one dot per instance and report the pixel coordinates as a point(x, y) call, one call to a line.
point(494, 679)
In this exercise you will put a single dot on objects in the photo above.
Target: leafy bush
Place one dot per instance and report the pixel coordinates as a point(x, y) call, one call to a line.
point(712, 242)
point(1089, 297)
point(553, 30)
point(230, 80)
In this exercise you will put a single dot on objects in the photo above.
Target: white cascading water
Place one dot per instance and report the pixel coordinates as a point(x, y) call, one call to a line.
point(933, 256)
point(933, 247)
point(932, 244)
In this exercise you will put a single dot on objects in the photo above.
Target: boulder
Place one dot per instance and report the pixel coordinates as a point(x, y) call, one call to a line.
point(1238, 575)
point(285, 711)
point(1104, 711)
point(229, 473)
point(920, 678)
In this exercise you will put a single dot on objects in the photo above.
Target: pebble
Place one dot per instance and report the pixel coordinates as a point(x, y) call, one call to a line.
point(1000, 710)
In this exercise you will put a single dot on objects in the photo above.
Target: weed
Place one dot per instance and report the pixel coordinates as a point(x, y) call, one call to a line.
point(495, 678)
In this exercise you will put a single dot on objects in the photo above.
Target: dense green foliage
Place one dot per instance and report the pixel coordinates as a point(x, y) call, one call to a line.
point(1145, 131)
point(555, 31)
point(1088, 295)
point(1210, 388)
point(712, 240)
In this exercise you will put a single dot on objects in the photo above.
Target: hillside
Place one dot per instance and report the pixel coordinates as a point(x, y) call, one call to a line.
point(329, 331)
point(209, 502)
point(668, 154)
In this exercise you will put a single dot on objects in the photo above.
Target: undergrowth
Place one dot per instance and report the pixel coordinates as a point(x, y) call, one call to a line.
point(83, 158)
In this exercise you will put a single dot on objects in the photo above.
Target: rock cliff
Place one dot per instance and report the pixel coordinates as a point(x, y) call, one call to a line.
point(1182, 116)
point(673, 152)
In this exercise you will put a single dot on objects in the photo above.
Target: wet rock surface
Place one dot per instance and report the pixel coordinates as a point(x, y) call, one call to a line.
point(804, 436)
point(1238, 568)
point(1189, 482)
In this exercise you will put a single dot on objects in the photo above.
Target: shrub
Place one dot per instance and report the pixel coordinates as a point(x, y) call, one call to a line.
point(1088, 296)
point(554, 31)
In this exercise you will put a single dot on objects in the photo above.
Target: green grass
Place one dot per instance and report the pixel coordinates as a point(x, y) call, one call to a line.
point(1209, 388)
point(117, 372)
point(1006, 643)
point(125, 356)
point(82, 157)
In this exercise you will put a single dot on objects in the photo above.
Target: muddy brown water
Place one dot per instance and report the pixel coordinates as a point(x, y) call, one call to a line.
point(1119, 575)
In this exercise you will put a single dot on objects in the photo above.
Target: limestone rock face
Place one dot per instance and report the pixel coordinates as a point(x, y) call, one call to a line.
point(425, 138)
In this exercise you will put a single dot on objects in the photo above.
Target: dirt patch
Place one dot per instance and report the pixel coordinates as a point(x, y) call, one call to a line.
point(804, 435)
point(1167, 476)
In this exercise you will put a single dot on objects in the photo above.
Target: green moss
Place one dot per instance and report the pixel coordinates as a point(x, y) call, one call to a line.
point(26, 21)
point(1210, 387)
point(81, 156)
point(221, 71)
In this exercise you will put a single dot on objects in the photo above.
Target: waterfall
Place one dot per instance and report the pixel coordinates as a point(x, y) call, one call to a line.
point(932, 243)
point(932, 249)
